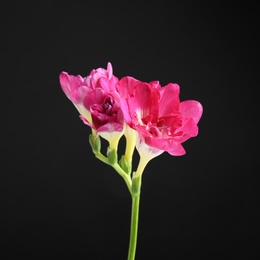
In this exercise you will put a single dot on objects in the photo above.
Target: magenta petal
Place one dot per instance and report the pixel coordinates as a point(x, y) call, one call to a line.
point(108, 85)
point(111, 127)
point(109, 70)
point(96, 96)
point(79, 94)
point(126, 89)
point(168, 145)
point(65, 83)
point(73, 86)
point(169, 102)
point(176, 149)
point(146, 101)
point(85, 121)
point(187, 130)
point(192, 109)
point(126, 86)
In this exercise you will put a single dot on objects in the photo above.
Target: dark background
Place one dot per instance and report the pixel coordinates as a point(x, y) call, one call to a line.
point(58, 201)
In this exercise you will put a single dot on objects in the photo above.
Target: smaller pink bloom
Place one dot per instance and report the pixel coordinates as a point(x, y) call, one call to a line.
point(96, 99)
point(105, 112)
point(156, 113)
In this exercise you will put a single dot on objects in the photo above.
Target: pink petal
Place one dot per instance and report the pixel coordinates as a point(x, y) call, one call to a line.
point(126, 86)
point(168, 145)
point(187, 130)
point(109, 70)
point(176, 149)
point(108, 85)
point(96, 96)
point(126, 91)
point(78, 95)
point(65, 83)
point(85, 121)
point(169, 102)
point(145, 100)
point(111, 127)
point(73, 86)
point(192, 109)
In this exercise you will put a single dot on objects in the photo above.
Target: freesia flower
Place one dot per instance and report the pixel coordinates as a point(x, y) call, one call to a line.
point(151, 117)
point(163, 122)
point(97, 101)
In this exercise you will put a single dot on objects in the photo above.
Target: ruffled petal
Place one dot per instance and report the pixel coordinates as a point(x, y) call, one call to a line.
point(169, 102)
point(192, 109)
point(169, 145)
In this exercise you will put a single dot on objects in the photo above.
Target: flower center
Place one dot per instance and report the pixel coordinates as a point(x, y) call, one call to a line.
point(165, 127)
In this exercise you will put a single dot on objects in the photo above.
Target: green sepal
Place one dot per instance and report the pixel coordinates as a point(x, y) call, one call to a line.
point(112, 156)
point(95, 143)
point(126, 166)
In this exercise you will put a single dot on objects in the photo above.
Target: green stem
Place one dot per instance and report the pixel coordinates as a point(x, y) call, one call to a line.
point(117, 167)
point(136, 190)
point(102, 158)
point(125, 176)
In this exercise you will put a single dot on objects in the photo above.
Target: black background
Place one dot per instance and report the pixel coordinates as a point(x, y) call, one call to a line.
point(58, 201)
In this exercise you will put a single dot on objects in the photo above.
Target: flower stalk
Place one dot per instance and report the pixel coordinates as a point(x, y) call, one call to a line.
point(136, 192)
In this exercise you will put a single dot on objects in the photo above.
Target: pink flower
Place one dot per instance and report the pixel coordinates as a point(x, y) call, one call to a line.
point(163, 122)
point(96, 99)
point(105, 111)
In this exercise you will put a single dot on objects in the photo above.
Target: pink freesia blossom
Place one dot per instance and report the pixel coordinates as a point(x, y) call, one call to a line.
point(96, 99)
point(163, 122)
